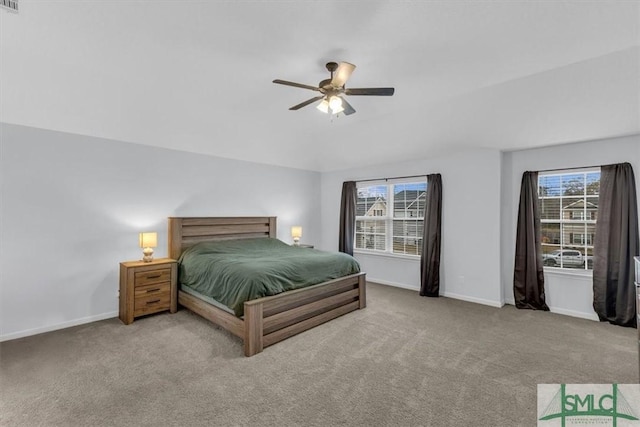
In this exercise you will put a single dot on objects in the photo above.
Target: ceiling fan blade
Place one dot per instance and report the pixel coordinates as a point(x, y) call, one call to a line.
point(348, 109)
point(342, 74)
point(377, 91)
point(307, 102)
point(300, 85)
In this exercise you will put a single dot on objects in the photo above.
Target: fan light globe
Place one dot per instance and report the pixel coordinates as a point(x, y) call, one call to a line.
point(335, 103)
point(323, 106)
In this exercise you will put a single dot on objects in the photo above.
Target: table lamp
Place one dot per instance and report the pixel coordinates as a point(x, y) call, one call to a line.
point(296, 233)
point(148, 241)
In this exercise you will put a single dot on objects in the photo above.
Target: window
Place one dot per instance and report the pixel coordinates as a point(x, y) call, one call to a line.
point(568, 214)
point(579, 215)
point(390, 218)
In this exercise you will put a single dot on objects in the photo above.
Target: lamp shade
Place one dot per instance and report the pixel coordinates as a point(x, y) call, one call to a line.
point(149, 239)
point(296, 231)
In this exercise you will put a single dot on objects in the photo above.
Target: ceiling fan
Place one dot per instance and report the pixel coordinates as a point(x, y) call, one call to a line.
point(332, 89)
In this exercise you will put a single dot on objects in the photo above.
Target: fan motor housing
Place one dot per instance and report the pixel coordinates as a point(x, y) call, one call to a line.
point(325, 85)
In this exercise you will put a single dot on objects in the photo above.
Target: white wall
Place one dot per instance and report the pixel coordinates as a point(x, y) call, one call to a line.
point(567, 293)
point(72, 206)
point(470, 257)
point(481, 189)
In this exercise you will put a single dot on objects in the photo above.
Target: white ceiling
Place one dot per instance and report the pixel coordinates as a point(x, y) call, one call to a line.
point(196, 75)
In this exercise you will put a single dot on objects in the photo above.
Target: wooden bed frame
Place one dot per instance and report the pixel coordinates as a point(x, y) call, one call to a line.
point(271, 319)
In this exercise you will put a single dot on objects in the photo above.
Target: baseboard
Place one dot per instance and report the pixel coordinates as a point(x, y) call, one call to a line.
point(394, 284)
point(482, 301)
point(572, 313)
point(446, 294)
point(565, 312)
point(63, 325)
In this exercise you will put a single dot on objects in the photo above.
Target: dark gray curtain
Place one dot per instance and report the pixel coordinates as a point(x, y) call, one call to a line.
point(347, 217)
point(430, 259)
point(528, 276)
point(616, 243)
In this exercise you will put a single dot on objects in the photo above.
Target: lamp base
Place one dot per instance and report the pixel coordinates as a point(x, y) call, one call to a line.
point(296, 241)
point(148, 254)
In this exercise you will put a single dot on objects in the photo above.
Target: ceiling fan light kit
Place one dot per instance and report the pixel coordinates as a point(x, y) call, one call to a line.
point(323, 106)
point(332, 89)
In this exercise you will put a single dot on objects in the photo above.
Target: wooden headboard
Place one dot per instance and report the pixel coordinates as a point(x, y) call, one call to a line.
point(187, 231)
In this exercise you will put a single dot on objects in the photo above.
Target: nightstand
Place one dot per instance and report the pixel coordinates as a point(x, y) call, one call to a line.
point(303, 246)
point(147, 287)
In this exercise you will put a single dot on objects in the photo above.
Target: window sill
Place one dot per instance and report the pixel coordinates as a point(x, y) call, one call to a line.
point(387, 255)
point(555, 271)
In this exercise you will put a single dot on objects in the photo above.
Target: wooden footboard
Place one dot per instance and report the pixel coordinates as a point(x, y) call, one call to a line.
point(272, 319)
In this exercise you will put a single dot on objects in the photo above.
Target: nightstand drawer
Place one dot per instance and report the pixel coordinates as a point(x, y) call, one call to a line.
point(152, 303)
point(152, 289)
point(154, 276)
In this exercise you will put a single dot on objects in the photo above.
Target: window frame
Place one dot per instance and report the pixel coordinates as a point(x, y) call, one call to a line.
point(389, 219)
point(588, 219)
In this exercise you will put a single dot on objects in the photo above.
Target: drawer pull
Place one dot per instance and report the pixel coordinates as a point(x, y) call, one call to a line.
point(153, 290)
point(153, 302)
point(154, 277)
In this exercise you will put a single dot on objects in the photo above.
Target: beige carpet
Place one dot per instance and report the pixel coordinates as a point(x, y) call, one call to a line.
point(403, 361)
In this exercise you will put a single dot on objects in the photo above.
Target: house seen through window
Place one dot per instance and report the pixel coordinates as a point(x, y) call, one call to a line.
point(390, 218)
point(568, 214)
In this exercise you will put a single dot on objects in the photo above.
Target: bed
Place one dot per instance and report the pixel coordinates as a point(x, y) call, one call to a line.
point(269, 319)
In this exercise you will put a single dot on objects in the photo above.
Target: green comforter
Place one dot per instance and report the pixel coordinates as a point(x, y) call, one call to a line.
point(235, 271)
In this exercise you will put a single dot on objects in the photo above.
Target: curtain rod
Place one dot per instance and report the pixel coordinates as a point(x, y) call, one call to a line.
point(569, 169)
point(395, 177)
